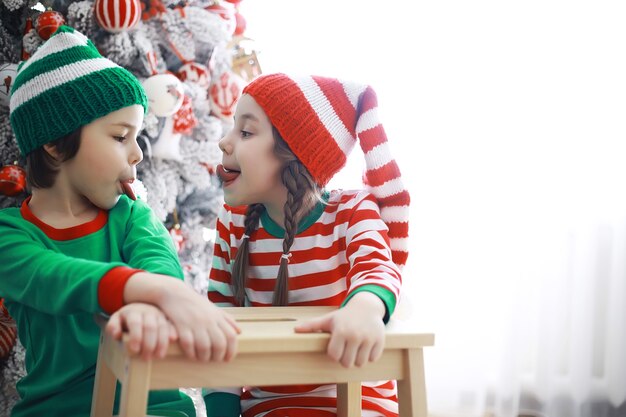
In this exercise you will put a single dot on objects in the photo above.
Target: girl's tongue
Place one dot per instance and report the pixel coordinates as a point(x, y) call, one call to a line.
point(226, 176)
point(128, 190)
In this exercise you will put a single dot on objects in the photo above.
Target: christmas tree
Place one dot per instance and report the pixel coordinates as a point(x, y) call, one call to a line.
point(190, 56)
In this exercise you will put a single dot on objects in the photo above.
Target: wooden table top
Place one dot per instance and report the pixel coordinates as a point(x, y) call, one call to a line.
point(271, 329)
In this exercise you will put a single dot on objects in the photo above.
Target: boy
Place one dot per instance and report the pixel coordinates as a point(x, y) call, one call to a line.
point(82, 244)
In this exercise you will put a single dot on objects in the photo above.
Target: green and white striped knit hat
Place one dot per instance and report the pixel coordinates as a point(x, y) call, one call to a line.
point(67, 84)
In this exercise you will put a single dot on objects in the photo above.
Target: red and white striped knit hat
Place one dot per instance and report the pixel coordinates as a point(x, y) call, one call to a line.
point(321, 119)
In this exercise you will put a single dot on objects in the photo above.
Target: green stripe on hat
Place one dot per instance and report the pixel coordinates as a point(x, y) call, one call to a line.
point(55, 61)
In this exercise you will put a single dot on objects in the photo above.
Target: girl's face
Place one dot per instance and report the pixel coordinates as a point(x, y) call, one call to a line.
point(107, 158)
point(250, 171)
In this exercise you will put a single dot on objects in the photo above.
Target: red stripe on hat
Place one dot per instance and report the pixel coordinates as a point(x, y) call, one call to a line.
point(398, 229)
point(399, 199)
point(336, 95)
point(379, 176)
point(373, 137)
point(399, 257)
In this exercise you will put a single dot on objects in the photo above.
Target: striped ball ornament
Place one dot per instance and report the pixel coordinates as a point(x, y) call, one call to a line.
point(117, 15)
point(8, 331)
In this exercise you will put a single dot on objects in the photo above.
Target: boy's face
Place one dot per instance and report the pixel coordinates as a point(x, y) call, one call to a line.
point(252, 169)
point(107, 157)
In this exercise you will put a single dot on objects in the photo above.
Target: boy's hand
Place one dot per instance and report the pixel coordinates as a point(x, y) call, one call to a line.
point(357, 330)
point(148, 329)
point(205, 332)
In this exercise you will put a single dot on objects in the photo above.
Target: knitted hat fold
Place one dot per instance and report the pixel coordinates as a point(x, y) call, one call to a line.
point(67, 84)
point(321, 119)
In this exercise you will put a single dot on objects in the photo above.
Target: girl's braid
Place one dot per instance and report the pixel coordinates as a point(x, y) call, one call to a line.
point(240, 267)
point(297, 188)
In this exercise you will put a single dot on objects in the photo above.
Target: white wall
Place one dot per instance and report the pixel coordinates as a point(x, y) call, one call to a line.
point(508, 121)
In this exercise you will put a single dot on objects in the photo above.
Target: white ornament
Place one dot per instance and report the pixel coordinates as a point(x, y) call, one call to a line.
point(8, 72)
point(194, 72)
point(165, 94)
point(167, 145)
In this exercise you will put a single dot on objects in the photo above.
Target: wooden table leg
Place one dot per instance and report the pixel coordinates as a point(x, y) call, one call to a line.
point(349, 399)
point(412, 389)
point(104, 386)
point(136, 381)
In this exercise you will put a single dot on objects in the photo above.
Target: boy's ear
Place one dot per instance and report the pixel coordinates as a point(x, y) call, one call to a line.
point(51, 150)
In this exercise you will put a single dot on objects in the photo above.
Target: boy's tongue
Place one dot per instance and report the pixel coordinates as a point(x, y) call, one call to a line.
point(226, 176)
point(128, 190)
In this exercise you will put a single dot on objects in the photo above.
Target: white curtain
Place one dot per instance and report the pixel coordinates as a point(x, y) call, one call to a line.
point(508, 119)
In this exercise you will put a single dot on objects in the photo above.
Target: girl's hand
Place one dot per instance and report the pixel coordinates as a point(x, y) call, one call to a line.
point(148, 329)
point(357, 330)
point(205, 332)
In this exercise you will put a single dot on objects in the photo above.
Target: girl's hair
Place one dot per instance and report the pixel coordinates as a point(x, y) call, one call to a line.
point(42, 168)
point(300, 188)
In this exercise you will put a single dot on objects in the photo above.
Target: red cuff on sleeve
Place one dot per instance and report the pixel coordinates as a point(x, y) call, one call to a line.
point(111, 288)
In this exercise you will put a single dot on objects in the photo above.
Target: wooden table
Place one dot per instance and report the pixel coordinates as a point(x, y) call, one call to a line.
point(269, 353)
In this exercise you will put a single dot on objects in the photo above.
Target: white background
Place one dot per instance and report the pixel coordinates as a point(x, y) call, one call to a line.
point(507, 119)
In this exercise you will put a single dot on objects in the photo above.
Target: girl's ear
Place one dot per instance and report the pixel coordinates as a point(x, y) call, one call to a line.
point(51, 150)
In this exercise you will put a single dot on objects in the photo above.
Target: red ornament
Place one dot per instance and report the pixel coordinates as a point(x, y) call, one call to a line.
point(117, 15)
point(224, 94)
point(235, 2)
point(47, 23)
point(12, 180)
point(184, 119)
point(240, 27)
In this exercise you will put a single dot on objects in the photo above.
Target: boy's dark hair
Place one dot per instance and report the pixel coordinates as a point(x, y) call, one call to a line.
point(42, 168)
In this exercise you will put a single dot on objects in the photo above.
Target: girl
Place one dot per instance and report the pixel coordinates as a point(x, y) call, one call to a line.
point(284, 240)
point(82, 244)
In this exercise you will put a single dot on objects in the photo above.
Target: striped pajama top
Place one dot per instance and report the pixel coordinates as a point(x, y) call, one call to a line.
point(341, 248)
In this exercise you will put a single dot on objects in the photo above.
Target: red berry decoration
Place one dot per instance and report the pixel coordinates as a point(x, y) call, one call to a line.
point(12, 180)
point(47, 23)
point(117, 15)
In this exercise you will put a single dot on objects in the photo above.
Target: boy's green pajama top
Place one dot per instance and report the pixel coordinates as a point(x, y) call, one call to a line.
point(55, 280)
